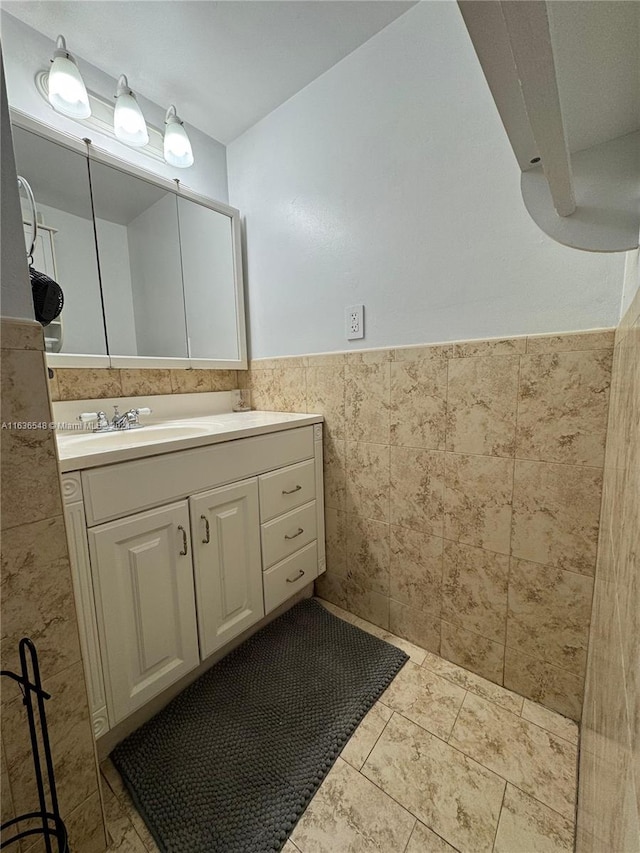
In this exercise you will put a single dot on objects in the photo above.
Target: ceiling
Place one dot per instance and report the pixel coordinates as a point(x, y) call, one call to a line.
point(224, 64)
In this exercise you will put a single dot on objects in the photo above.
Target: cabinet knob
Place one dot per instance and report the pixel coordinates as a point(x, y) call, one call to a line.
point(207, 532)
point(297, 577)
point(300, 530)
point(185, 548)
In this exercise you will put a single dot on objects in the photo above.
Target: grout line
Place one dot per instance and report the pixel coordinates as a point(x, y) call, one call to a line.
point(444, 503)
point(539, 801)
point(413, 829)
point(466, 693)
point(513, 784)
point(550, 663)
point(471, 690)
point(504, 794)
point(379, 787)
point(512, 456)
point(545, 729)
point(379, 736)
point(475, 634)
point(388, 367)
point(513, 492)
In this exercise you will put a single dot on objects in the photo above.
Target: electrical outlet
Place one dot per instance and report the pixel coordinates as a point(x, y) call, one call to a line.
point(354, 322)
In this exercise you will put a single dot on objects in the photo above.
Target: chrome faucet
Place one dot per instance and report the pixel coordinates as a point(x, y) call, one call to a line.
point(126, 420)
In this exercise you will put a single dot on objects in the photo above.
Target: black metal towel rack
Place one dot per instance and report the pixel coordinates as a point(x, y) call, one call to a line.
point(45, 822)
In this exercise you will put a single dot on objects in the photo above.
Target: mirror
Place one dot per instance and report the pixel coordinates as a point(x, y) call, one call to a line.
point(140, 265)
point(151, 272)
point(208, 269)
point(65, 244)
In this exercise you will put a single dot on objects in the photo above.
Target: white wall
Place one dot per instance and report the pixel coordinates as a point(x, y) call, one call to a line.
point(27, 51)
point(15, 290)
point(389, 181)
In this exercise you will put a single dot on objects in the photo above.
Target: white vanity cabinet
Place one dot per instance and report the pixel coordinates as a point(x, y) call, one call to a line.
point(143, 583)
point(176, 555)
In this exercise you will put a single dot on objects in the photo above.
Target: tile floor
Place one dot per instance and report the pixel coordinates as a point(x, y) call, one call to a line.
point(444, 762)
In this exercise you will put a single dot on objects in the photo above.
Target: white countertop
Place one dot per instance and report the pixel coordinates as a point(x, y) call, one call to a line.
point(84, 449)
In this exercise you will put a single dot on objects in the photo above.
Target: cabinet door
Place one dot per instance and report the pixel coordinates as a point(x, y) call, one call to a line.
point(145, 601)
point(228, 571)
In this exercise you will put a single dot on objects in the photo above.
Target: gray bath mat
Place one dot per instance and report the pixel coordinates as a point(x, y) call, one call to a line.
point(231, 763)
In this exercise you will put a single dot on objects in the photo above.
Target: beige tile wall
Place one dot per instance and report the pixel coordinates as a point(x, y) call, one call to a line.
point(94, 383)
point(609, 802)
point(463, 487)
point(37, 601)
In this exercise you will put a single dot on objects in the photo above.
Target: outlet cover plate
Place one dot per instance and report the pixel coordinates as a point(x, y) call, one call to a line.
point(354, 322)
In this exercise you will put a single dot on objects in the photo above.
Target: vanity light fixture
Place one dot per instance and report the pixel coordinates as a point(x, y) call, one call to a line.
point(128, 122)
point(177, 148)
point(67, 92)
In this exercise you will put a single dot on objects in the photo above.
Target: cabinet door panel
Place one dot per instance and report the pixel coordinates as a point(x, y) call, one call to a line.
point(228, 571)
point(146, 604)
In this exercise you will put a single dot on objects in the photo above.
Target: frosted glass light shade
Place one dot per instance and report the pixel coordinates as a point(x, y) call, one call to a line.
point(67, 92)
point(177, 147)
point(128, 122)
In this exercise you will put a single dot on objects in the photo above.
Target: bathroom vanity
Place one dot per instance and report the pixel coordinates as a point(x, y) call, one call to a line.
point(182, 538)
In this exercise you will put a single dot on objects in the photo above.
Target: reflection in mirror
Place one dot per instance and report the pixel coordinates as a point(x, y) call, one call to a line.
point(65, 245)
point(208, 271)
point(139, 249)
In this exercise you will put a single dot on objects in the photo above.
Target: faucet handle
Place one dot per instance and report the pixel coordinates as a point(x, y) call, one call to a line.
point(100, 417)
point(145, 410)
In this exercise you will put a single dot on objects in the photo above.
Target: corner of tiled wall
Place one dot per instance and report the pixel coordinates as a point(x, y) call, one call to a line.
point(37, 600)
point(462, 491)
point(609, 798)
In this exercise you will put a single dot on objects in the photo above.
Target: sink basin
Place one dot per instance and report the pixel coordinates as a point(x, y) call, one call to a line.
point(98, 442)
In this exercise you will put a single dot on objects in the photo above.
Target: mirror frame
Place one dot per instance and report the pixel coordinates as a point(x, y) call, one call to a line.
point(88, 149)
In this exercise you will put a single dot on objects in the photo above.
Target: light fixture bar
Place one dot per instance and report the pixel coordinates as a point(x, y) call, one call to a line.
point(101, 119)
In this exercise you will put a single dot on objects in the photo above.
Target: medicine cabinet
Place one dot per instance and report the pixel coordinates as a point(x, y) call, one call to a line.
point(151, 272)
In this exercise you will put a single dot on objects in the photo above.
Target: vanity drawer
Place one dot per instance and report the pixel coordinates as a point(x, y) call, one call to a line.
point(288, 533)
point(127, 487)
point(287, 489)
point(291, 575)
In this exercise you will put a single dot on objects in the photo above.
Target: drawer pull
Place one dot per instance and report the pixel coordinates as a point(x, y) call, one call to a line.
point(297, 577)
point(207, 532)
point(299, 533)
point(291, 491)
point(185, 549)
